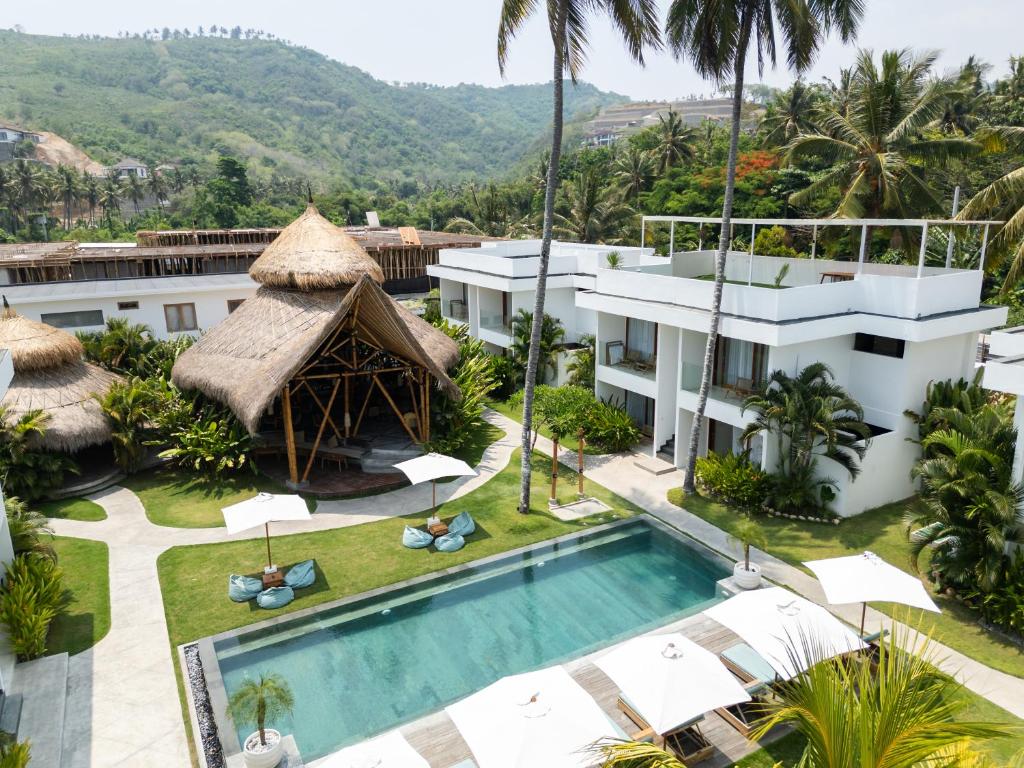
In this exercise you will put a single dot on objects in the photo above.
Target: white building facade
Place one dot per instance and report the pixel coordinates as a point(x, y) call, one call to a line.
point(885, 331)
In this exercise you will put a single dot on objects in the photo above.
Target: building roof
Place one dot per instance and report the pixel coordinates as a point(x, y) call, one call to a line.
point(50, 375)
point(129, 162)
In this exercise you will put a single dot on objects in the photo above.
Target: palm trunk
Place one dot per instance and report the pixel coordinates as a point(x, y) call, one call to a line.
point(723, 245)
point(533, 357)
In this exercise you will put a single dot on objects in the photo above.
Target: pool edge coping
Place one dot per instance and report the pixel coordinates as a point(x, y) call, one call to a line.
point(214, 681)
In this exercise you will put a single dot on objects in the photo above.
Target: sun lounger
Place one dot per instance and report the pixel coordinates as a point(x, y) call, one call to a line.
point(757, 676)
point(463, 524)
point(242, 589)
point(686, 741)
point(300, 575)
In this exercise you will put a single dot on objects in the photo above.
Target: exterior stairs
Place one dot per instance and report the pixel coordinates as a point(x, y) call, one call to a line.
point(667, 452)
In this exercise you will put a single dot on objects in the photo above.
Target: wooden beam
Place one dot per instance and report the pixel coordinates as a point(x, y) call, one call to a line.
point(289, 434)
point(362, 411)
point(326, 411)
point(348, 416)
point(320, 432)
point(398, 413)
point(415, 406)
point(426, 407)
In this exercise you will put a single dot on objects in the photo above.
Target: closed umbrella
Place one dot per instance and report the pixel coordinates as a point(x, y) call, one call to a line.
point(263, 509)
point(865, 578)
point(431, 466)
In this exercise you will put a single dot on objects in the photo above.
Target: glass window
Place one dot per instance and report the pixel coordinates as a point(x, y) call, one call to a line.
point(81, 319)
point(123, 305)
point(641, 338)
point(879, 345)
point(180, 317)
point(234, 304)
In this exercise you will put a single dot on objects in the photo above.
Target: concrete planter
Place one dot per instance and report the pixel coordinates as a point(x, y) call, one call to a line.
point(746, 579)
point(258, 756)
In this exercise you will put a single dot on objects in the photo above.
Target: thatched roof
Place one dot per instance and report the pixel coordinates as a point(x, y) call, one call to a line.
point(312, 254)
point(245, 361)
point(50, 375)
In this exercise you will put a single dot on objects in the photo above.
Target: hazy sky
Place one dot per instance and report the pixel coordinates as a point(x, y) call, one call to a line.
point(452, 41)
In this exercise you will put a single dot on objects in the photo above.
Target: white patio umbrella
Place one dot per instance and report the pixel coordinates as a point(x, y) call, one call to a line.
point(389, 750)
point(670, 680)
point(865, 578)
point(779, 625)
point(541, 718)
point(263, 509)
point(431, 466)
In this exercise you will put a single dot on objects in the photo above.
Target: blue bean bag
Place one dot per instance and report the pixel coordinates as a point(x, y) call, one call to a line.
point(242, 589)
point(414, 538)
point(275, 597)
point(463, 524)
point(450, 542)
point(300, 575)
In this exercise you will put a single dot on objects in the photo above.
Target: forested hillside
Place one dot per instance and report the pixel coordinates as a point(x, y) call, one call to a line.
point(283, 108)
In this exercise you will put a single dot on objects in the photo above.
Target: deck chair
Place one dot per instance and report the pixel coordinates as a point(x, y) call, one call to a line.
point(757, 676)
point(686, 741)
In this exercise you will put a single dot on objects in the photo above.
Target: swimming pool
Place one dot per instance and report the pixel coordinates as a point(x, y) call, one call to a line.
point(368, 665)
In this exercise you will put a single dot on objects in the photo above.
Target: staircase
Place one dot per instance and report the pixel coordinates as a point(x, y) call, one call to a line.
point(667, 452)
point(381, 461)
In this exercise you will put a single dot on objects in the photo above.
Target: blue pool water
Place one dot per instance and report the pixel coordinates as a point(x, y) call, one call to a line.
point(366, 667)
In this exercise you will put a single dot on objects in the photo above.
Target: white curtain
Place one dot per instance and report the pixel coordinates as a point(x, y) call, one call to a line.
point(740, 361)
point(640, 339)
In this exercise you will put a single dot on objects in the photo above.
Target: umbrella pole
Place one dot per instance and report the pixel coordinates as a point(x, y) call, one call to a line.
point(266, 530)
point(863, 615)
point(433, 497)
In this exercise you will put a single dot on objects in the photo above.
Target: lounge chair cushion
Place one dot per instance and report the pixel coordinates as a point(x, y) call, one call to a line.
point(450, 542)
point(242, 589)
point(414, 538)
point(463, 524)
point(750, 661)
point(275, 597)
point(300, 575)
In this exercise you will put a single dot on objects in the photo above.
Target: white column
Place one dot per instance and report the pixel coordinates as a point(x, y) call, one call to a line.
point(863, 248)
point(671, 239)
point(924, 249)
point(1018, 451)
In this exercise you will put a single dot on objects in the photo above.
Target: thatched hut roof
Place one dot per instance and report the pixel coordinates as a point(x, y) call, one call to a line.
point(313, 254)
point(245, 361)
point(50, 375)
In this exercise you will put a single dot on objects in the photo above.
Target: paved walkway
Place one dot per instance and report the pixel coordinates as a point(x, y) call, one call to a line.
point(123, 708)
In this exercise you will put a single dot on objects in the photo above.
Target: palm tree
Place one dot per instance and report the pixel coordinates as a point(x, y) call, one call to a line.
point(25, 470)
point(790, 113)
point(157, 187)
point(898, 713)
point(582, 366)
point(29, 529)
point(260, 701)
point(716, 37)
point(637, 22)
point(960, 116)
point(675, 141)
point(552, 335)
point(592, 213)
point(129, 407)
point(124, 344)
point(26, 183)
point(879, 158)
point(133, 189)
point(7, 196)
point(91, 194)
point(69, 186)
point(839, 91)
point(110, 198)
point(632, 172)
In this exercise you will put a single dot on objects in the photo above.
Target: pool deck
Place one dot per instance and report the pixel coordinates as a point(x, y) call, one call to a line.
point(439, 742)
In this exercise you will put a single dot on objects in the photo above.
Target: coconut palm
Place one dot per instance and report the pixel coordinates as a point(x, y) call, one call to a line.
point(676, 141)
point(899, 713)
point(634, 754)
point(123, 345)
point(960, 116)
point(91, 194)
point(552, 335)
point(134, 191)
point(879, 157)
point(30, 531)
point(716, 38)
point(26, 184)
point(110, 198)
point(840, 90)
point(637, 22)
point(789, 114)
point(632, 172)
point(157, 186)
point(69, 186)
point(592, 212)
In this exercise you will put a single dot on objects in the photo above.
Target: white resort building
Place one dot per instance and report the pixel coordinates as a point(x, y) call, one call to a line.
point(884, 330)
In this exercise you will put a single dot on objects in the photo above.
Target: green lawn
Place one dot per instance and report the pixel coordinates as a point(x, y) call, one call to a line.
point(516, 414)
point(880, 531)
point(73, 509)
point(86, 619)
point(352, 560)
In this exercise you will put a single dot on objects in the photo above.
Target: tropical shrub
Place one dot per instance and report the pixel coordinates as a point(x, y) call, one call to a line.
point(505, 373)
point(747, 533)
point(30, 531)
point(261, 701)
point(132, 349)
point(965, 396)
point(551, 336)
point(1003, 607)
point(612, 429)
point(15, 754)
point(733, 479)
point(801, 492)
point(26, 470)
point(213, 443)
point(130, 406)
point(581, 367)
point(774, 241)
point(455, 420)
point(31, 596)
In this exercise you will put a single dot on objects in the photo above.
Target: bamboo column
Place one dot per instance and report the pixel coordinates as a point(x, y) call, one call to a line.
point(289, 434)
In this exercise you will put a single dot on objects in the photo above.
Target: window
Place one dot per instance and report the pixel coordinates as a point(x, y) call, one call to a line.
point(234, 304)
point(81, 319)
point(123, 305)
point(879, 345)
point(641, 339)
point(740, 365)
point(180, 317)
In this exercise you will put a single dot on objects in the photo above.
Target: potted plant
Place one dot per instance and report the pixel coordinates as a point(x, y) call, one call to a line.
point(259, 701)
point(747, 533)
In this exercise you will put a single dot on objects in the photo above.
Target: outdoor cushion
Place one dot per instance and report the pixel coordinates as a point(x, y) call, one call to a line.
point(414, 538)
point(462, 524)
point(242, 589)
point(275, 597)
point(450, 542)
point(300, 575)
point(750, 661)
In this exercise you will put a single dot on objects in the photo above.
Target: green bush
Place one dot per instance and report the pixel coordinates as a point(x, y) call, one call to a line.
point(733, 479)
point(801, 492)
point(1004, 607)
point(213, 443)
point(505, 375)
point(773, 242)
point(453, 422)
point(15, 754)
point(612, 429)
point(29, 601)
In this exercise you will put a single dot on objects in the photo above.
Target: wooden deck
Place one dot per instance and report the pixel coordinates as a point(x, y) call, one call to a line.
point(436, 738)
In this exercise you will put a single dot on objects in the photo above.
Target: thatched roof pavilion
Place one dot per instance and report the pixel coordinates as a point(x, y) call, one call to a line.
point(319, 328)
point(50, 375)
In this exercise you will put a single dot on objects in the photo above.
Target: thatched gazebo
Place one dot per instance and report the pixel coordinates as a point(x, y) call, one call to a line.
point(318, 343)
point(50, 375)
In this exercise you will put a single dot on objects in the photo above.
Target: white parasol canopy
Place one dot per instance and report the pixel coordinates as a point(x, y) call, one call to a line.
point(865, 578)
point(432, 466)
point(263, 509)
point(670, 680)
point(790, 633)
point(389, 750)
point(541, 718)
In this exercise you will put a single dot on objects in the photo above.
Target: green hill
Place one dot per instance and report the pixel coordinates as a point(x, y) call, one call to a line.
point(284, 108)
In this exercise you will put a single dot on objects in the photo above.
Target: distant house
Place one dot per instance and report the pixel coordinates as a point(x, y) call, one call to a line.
point(130, 167)
point(12, 134)
point(165, 169)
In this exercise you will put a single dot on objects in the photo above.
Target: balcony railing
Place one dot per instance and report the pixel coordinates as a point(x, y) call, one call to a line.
point(733, 392)
point(496, 323)
point(617, 356)
point(457, 310)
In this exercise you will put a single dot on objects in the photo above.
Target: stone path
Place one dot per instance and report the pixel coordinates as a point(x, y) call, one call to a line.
point(123, 707)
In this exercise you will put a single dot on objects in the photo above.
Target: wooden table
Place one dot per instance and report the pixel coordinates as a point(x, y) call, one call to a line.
point(836, 277)
point(437, 529)
point(275, 579)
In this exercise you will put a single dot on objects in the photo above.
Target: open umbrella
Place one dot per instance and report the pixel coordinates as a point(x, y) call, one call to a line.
point(431, 466)
point(867, 577)
point(263, 509)
point(389, 750)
